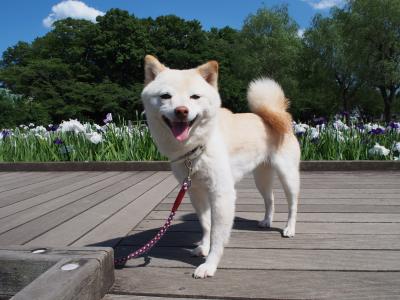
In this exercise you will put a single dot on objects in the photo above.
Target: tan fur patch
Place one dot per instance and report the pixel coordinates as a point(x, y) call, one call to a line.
point(209, 71)
point(279, 121)
point(152, 67)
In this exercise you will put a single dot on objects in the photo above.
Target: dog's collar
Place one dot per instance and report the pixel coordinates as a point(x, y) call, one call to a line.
point(191, 155)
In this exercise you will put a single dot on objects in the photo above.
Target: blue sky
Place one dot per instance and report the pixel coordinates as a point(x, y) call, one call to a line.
point(24, 20)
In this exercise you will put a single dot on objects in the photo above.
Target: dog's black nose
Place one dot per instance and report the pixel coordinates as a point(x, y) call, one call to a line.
point(181, 112)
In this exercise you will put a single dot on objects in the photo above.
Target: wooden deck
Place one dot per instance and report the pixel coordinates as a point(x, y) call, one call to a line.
point(347, 244)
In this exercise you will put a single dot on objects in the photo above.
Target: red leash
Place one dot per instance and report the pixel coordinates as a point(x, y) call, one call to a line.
point(119, 262)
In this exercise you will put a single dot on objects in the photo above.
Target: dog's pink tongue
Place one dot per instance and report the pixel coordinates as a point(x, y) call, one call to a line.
point(180, 130)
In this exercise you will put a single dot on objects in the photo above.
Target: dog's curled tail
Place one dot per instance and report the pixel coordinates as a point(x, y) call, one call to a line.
point(266, 99)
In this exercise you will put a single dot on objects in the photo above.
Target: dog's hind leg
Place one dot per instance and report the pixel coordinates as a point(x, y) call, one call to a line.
point(200, 202)
point(289, 175)
point(263, 177)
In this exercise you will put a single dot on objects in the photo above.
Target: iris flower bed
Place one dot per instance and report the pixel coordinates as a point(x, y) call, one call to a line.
point(74, 141)
point(338, 141)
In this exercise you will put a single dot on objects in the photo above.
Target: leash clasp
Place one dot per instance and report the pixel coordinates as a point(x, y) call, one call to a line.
point(187, 182)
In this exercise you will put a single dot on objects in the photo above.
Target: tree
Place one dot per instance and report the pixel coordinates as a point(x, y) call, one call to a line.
point(271, 48)
point(178, 43)
point(121, 43)
point(20, 54)
point(15, 110)
point(373, 27)
point(272, 43)
point(225, 46)
point(328, 49)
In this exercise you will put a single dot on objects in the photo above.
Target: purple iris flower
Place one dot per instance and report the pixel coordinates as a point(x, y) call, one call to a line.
point(108, 118)
point(53, 128)
point(5, 133)
point(377, 131)
point(394, 125)
point(360, 127)
point(58, 141)
point(320, 121)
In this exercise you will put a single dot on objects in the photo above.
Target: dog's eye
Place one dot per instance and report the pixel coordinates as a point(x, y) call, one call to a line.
point(165, 96)
point(195, 97)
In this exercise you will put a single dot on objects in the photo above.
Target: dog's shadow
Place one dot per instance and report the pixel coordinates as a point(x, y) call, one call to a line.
point(175, 245)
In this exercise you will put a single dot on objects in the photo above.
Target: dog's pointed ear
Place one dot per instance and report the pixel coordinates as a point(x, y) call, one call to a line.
point(209, 71)
point(152, 67)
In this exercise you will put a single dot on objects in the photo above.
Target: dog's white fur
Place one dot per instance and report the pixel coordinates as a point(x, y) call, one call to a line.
point(235, 144)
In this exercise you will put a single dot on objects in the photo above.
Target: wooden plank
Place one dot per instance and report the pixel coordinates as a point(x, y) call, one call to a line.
point(42, 218)
point(39, 199)
point(258, 284)
point(36, 211)
point(249, 226)
point(110, 232)
point(315, 193)
point(337, 190)
point(394, 198)
point(8, 177)
point(5, 175)
point(14, 176)
point(386, 178)
point(343, 174)
point(62, 182)
point(22, 182)
point(339, 201)
point(131, 297)
point(272, 240)
point(302, 208)
point(391, 188)
point(12, 196)
point(334, 179)
point(328, 186)
point(70, 231)
point(276, 259)
point(301, 217)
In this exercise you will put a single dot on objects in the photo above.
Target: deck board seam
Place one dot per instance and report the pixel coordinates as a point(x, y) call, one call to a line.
point(27, 199)
point(120, 241)
point(46, 176)
point(52, 199)
point(276, 269)
point(66, 220)
point(42, 193)
point(51, 211)
point(109, 217)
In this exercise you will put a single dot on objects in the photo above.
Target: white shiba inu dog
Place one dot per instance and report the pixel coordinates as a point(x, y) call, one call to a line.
point(184, 113)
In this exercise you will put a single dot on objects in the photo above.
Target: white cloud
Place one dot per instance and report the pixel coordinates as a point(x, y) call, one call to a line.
point(71, 9)
point(324, 4)
point(300, 32)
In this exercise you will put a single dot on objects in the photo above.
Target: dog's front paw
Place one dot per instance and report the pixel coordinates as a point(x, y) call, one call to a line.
point(289, 231)
point(204, 270)
point(266, 223)
point(201, 251)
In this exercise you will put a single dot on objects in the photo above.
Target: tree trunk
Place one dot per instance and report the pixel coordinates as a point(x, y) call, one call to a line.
point(388, 100)
point(346, 112)
point(345, 102)
point(388, 109)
